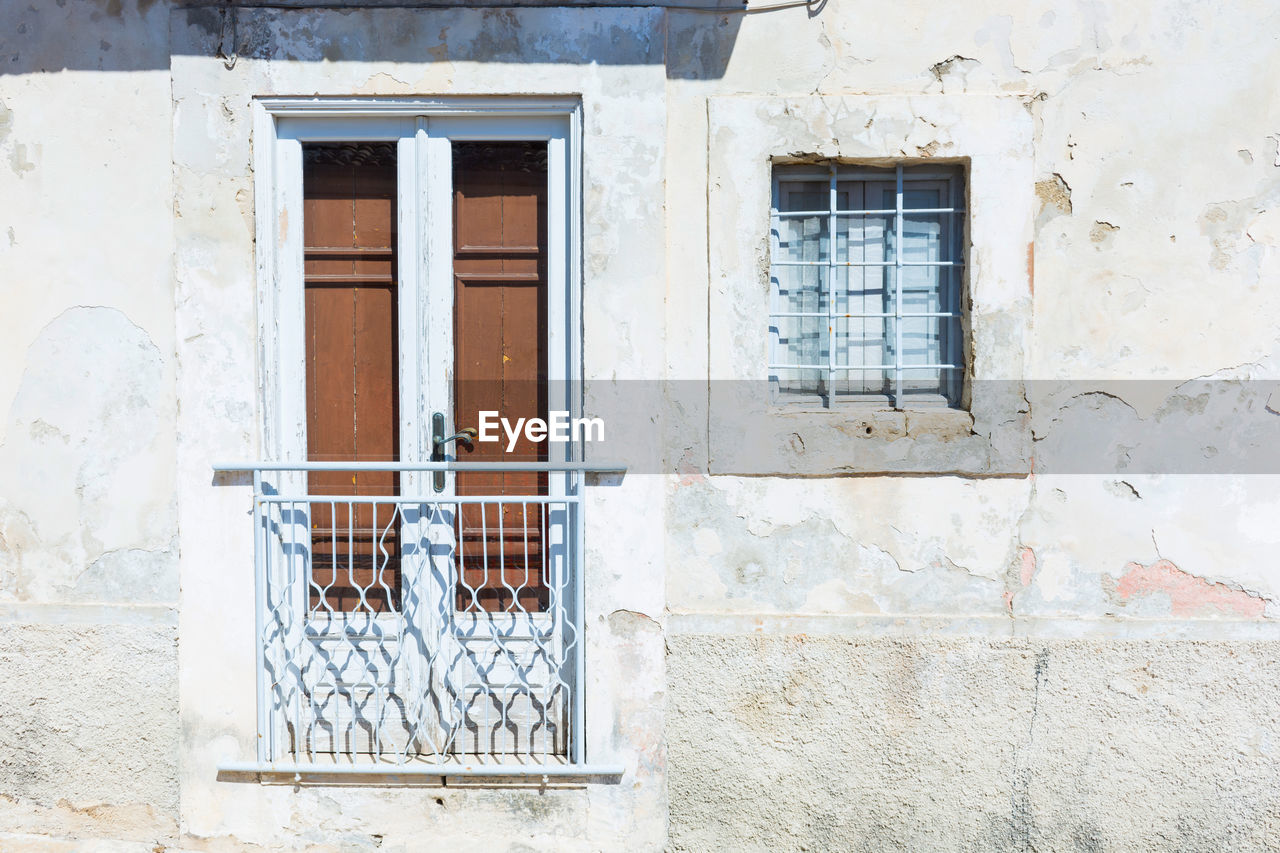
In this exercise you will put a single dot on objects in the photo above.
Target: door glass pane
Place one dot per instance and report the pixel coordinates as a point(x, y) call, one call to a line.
point(352, 373)
point(500, 365)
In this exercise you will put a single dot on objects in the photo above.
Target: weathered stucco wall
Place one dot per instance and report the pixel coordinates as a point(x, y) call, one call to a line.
point(1155, 155)
point(88, 520)
point(925, 743)
point(623, 115)
point(1010, 654)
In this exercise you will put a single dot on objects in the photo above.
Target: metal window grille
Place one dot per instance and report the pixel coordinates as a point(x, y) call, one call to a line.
point(419, 633)
point(866, 284)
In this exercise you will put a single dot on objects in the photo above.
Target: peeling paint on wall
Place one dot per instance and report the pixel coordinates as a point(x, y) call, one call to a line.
point(88, 425)
point(1187, 595)
point(940, 660)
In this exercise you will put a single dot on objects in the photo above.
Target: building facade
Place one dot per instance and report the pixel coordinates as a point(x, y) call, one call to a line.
point(933, 499)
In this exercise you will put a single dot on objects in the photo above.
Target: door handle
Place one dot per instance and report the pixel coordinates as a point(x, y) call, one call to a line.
point(438, 442)
point(467, 436)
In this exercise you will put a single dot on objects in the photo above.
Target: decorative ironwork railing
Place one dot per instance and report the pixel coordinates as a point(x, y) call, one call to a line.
point(401, 629)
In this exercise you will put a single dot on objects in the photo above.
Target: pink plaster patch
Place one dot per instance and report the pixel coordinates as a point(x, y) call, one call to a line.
point(1188, 594)
point(688, 470)
point(1028, 570)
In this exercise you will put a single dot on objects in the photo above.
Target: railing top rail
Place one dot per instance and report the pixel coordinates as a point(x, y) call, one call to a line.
point(513, 499)
point(588, 467)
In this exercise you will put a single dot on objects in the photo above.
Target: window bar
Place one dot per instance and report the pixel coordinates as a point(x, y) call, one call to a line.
point(477, 588)
point(786, 214)
point(886, 366)
point(555, 602)
point(870, 263)
point(351, 642)
point(502, 557)
point(327, 592)
point(523, 676)
point(830, 383)
point(899, 243)
point(857, 315)
point(454, 587)
point(395, 604)
point(502, 650)
point(490, 684)
point(375, 576)
point(456, 576)
point(295, 702)
point(955, 279)
point(363, 607)
point(316, 723)
point(555, 650)
point(775, 291)
point(947, 242)
point(524, 525)
point(264, 749)
point(573, 555)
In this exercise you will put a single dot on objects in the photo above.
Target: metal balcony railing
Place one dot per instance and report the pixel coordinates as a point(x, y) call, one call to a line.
point(408, 630)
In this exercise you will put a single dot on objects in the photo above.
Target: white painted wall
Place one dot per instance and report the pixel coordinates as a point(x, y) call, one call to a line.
point(980, 655)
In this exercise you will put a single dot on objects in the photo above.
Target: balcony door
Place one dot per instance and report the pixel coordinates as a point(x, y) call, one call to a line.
point(433, 288)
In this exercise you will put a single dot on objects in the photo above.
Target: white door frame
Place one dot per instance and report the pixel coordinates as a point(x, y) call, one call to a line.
point(423, 131)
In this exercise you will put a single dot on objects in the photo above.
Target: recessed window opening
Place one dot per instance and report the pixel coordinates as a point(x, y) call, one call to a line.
point(866, 285)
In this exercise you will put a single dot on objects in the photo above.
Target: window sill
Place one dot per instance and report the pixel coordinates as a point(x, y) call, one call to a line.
point(865, 440)
point(400, 774)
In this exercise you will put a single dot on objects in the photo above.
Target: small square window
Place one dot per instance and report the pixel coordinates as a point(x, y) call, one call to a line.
point(857, 313)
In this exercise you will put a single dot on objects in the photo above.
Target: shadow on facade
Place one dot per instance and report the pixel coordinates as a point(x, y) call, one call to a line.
point(139, 35)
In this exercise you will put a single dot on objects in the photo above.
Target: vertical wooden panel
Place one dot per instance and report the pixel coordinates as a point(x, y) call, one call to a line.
point(500, 360)
point(349, 223)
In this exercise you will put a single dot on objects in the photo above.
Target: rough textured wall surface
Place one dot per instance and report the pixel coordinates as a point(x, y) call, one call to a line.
point(915, 743)
point(1054, 660)
point(613, 58)
point(88, 517)
point(90, 741)
point(841, 673)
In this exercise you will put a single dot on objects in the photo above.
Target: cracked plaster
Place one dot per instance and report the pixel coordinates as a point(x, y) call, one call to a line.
point(1078, 737)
